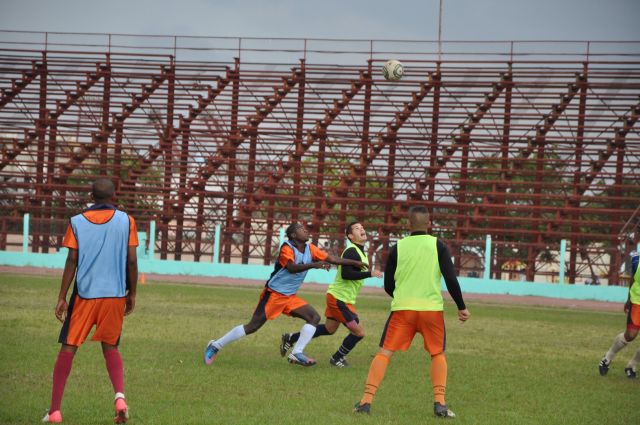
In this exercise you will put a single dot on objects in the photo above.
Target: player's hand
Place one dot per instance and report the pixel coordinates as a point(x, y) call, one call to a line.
point(376, 273)
point(627, 306)
point(130, 304)
point(61, 309)
point(322, 265)
point(463, 315)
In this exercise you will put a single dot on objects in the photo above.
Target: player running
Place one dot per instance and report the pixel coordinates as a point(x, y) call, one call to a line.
point(279, 295)
point(632, 308)
point(341, 299)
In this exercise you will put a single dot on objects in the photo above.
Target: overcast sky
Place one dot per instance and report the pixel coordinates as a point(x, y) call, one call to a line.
point(369, 19)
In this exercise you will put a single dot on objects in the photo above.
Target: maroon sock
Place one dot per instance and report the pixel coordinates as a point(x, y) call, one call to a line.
point(116, 369)
point(60, 374)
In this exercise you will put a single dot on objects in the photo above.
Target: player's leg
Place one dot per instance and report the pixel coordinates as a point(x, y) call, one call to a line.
point(61, 372)
point(356, 334)
point(311, 317)
point(115, 369)
point(328, 328)
point(377, 370)
point(75, 328)
point(397, 336)
point(431, 326)
point(631, 369)
point(622, 339)
point(109, 321)
point(259, 318)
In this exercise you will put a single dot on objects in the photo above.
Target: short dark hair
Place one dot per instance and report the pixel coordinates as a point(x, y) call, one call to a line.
point(348, 229)
point(291, 230)
point(418, 209)
point(103, 189)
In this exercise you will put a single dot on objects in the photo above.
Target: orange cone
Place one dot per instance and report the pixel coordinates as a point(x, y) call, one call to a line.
point(141, 278)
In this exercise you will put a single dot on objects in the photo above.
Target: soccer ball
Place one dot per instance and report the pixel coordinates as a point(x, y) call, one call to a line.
point(392, 70)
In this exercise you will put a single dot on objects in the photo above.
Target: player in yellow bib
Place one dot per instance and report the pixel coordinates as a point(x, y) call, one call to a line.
point(632, 308)
point(412, 276)
point(341, 299)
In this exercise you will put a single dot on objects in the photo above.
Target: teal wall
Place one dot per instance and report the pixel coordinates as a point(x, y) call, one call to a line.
point(260, 272)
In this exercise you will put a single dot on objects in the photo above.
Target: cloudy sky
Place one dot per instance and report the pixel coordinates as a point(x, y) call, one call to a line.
point(369, 19)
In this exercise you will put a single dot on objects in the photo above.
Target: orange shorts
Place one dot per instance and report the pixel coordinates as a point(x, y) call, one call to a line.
point(340, 311)
point(272, 304)
point(107, 314)
point(633, 317)
point(403, 325)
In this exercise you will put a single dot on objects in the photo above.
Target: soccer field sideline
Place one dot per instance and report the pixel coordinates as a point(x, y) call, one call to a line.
point(151, 278)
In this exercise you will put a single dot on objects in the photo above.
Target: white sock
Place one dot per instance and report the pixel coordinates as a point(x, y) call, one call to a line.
point(233, 335)
point(618, 344)
point(306, 333)
point(634, 360)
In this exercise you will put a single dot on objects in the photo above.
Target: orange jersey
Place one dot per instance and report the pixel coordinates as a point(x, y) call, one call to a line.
point(99, 216)
point(286, 254)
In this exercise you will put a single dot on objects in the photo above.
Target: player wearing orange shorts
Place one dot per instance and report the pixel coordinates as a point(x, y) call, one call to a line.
point(102, 245)
point(632, 309)
point(341, 298)
point(412, 277)
point(278, 297)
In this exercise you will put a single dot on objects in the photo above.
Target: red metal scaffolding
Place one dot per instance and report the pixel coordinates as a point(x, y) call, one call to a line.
point(529, 142)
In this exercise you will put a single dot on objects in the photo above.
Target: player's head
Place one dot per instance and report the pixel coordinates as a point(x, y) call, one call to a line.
point(356, 233)
point(102, 190)
point(297, 232)
point(418, 218)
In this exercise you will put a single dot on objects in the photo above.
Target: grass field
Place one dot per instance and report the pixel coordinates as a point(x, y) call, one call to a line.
point(507, 365)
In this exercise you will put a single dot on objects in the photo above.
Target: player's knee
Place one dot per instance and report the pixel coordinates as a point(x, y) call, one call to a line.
point(314, 319)
point(630, 334)
point(251, 327)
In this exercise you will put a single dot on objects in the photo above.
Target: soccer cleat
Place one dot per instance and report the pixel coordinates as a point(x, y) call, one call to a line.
point(442, 411)
point(122, 412)
point(285, 344)
point(53, 418)
point(210, 352)
point(604, 366)
point(630, 372)
point(362, 408)
point(301, 359)
point(341, 362)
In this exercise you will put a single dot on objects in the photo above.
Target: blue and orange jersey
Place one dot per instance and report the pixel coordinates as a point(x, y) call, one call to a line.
point(102, 236)
point(284, 282)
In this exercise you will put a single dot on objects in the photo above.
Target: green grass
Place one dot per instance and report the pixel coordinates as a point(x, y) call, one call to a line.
point(507, 365)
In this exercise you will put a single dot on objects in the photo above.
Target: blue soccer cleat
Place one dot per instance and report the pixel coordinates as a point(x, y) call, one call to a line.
point(210, 352)
point(301, 359)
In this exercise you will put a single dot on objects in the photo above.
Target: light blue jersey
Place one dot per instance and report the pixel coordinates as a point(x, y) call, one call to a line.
point(102, 256)
point(285, 282)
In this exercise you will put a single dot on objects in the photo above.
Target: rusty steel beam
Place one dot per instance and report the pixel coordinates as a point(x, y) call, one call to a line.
point(384, 139)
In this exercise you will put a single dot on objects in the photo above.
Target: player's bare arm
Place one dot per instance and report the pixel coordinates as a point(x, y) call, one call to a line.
point(345, 262)
point(67, 277)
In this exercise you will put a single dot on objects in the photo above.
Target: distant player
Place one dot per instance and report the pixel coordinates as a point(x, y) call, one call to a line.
point(279, 295)
point(341, 298)
point(412, 277)
point(102, 256)
point(632, 308)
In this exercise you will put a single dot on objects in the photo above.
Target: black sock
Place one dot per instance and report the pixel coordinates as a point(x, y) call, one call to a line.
point(320, 331)
point(348, 344)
